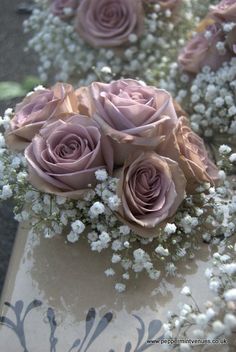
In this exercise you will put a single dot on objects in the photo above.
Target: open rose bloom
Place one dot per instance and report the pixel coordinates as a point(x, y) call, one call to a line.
point(213, 44)
point(135, 132)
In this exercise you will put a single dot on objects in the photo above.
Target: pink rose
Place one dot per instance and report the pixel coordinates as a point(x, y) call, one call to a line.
point(225, 11)
point(201, 51)
point(64, 156)
point(188, 150)
point(108, 23)
point(64, 8)
point(36, 109)
point(132, 115)
point(151, 188)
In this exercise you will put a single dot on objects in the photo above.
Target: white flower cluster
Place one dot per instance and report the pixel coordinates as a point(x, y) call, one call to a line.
point(216, 319)
point(211, 104)
point(60, 49)
point(211, 212)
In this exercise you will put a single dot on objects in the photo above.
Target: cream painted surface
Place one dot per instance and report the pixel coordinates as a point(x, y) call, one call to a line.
point(70, 279)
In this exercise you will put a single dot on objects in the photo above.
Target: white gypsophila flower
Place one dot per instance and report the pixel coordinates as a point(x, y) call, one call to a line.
point(101, 175)
point(16, 162)
point(114, 202)
point(154, 274)
point(126, 264)
point(230, 321)
point(218, 327)
point(97, 246)
point(2, 141)
point(210, 313)
point(224, 149)
point(208, 273)
point(126, 244)
point(120, 287)
point(60, 200)
point(170, 228)
point(104, 237)
point(186, 291)
point(6, 192)
point(106, 194)
point(230, 295)
point(21, 176)
point(188, 223)
point(47, 199)
point(125, 276)
point(116, 245)
point(201, 320)
point(124, 230)
point(37, 208)
point(92, 236)
point(229, 269)
point(105, 69)
point(214, 285)
point(109, 272)
point(162, 251)
point(222, 175)
point(139, 254)
point(89, 195)
point(232, 158)
point(72, 237)
point(116, 258)
point(96, 209)
point(78, 227)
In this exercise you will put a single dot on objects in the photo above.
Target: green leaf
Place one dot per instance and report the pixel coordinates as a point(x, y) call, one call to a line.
point(10, 90)
point(30, 82)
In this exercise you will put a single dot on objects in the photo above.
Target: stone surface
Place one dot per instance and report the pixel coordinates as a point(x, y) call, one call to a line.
point(15, 64)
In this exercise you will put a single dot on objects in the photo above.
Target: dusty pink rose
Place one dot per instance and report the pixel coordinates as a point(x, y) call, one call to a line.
point(64, 8)
point(201, 51)
point(151, 188)
point(64, 156)
point(108, 23)
point(132, 115)
point(225, 11)
point(188, 149)
point(36, 109)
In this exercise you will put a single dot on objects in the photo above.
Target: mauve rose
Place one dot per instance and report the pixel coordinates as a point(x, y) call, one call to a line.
point(132, 115)
point(108, 23)
point(200, 51)
point(64, 8)
point(225, 11)
point(64, 156)
point(188, 149)
point(151, 188)
point(36, 109)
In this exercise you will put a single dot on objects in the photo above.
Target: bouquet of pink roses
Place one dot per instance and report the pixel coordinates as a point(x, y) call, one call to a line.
point(118, 160)
point(83, 39)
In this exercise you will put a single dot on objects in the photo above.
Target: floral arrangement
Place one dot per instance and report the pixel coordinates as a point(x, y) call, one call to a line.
point(216, 322)
point(88, 39)
point(204, 81)
point(116, 164)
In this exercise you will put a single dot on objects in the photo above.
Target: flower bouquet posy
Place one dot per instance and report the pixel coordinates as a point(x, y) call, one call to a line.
point(83, 39)
point(118, 165)
point(204, 81)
